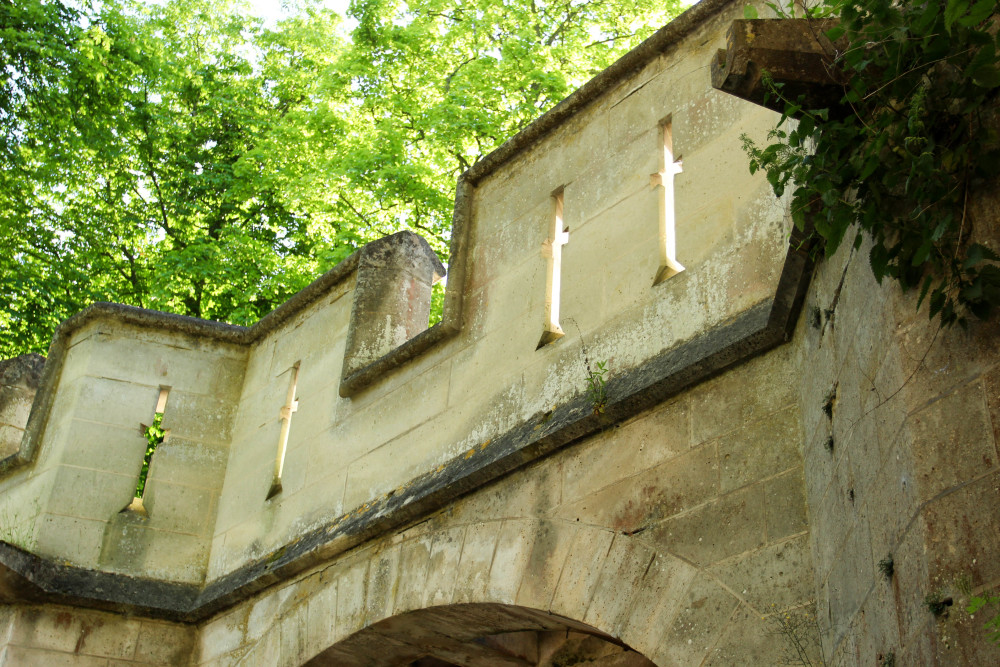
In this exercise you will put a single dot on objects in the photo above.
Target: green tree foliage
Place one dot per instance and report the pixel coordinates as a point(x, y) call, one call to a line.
point(914, 136)
point(185, 157)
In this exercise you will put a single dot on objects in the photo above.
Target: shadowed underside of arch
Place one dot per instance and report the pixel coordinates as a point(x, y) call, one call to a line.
point(479, 635)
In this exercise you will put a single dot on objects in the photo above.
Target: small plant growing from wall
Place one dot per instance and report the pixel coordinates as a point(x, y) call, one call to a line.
point(937, 604)
point(596, 386)
point(17, 528)
point(887, 567)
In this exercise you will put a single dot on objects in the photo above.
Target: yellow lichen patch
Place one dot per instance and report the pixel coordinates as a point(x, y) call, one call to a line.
point(483, 446)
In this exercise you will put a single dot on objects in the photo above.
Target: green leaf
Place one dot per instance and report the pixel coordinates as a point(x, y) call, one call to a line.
point(953, 10)
point(979, 13)
point(749, 12)
point(977, 253)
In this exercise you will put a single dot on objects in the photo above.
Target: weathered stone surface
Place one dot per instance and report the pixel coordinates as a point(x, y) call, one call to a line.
point(467, 500)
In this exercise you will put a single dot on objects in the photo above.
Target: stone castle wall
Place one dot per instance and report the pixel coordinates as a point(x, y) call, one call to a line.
point(341, 484)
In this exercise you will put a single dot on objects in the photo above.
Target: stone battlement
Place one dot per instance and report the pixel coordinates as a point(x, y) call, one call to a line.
point(621, 367)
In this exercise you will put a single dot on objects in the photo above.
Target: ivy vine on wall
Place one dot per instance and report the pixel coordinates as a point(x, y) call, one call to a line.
point(915, 135)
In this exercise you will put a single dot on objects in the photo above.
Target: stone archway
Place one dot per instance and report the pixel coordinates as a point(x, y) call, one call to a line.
point(479, 635)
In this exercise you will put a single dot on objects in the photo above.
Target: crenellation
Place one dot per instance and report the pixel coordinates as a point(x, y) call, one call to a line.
point(341, 484)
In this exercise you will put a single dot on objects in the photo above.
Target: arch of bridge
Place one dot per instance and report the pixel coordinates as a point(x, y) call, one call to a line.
point(524, 573)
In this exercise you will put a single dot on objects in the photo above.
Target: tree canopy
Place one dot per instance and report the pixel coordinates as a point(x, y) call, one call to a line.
point(186, 157)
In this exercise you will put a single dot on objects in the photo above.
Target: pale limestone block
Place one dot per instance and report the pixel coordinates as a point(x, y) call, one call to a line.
point(260, 409)
point(642, 443)
point(446, 552)
point(549, 552)
point(703, 229)
point(320, 500)
point(199, 418)
point(501, 246)
point(392, 465)
point(785, 505)
point(326, 453)
point(321, 623)
point(525, 496)
point(473, 569)
point(209, 368)
point(942, 362)
point(425, 396)
point(514, 298)
point(962, 539)
point(351, 597)
point(191, 463)
point(640, 106)
point(267, 651)
point(31, 657)
point(293, 629)
point(175, 556)
point(864, 456)
point(161, 643)
point(773, 376)
point(659, 599)
point(630, 279)
point(262, 614)
point(750, 635)
point(760, 449)
point(316, 337)
point(317, 411)
point(98, 446)
point(851, 578)
point(828, 517)
point(705, 614)
point(779, 574)
point(516, 346)
point(615, 177)
point(43, 629)
point(414, 556)
point(510, 559)
point(894, 501)
point(553, 163)
point(392, 298)
point(948, 451)
point(258, 366)
point(625, 565)
point(248, 491)
point(90, 494)
point(726, 526)
point(107, 636)
point(113, 402)
point(581, 571)
point(178, 508)
point(383, 580)
point(703, 117)
point(593, 277)
point(672, 487)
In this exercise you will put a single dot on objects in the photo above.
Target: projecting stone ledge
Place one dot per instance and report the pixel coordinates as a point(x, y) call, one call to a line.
point(795, 53)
